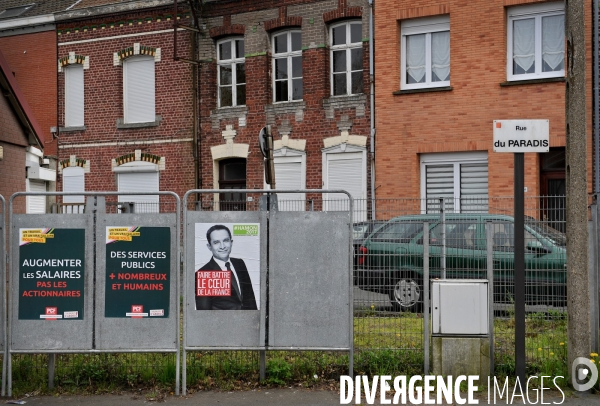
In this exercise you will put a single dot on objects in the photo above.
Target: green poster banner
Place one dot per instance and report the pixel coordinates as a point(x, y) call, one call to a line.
point(51, 273)
point(138, 264)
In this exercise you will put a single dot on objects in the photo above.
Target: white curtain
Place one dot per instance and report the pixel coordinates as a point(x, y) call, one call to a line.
point(415, 58)
point(553, 41)
point(440, 56)
point(524, 43)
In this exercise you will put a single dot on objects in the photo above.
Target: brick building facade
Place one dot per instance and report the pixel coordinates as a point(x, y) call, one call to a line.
point(494, 61)
point(125, 106)
point(278, 63)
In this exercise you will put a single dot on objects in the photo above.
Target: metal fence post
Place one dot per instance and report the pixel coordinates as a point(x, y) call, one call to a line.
point(489, 234)
point(443, 224)
point(426, 298)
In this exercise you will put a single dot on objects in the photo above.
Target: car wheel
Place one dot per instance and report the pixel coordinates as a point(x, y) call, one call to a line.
point(407, 293)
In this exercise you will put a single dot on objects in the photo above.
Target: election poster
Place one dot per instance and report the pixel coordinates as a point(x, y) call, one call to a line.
point(227, 266)
point(138, 277)
point(51, 274)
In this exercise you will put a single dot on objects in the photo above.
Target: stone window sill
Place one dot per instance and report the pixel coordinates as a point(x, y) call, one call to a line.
point(342, 102)
point(532, 81)
point(424, 90)
point(72, 129)
point(286, 107)
point(122, 125)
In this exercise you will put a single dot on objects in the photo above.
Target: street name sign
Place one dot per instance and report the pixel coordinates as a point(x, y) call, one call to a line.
point(521, 136)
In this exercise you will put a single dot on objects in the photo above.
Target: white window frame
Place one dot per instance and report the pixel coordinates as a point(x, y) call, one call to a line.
point(348, 46)
point(339, 152)
point(536, 11)
point(289, 55)
point(149, 95)
point(139, 167)
point(425, 26)
point(449, 158)
point(231, 62)
point(74, 112)
point(286, 155)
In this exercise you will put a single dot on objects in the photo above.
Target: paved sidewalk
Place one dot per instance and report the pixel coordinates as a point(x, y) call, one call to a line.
point(284, 397)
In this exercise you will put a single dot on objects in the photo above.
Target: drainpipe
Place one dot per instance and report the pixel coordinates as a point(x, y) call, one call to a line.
point(372, 108)
point(596, 103)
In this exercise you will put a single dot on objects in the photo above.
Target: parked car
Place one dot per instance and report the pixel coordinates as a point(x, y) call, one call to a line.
point(360, 233)
point(391, 259)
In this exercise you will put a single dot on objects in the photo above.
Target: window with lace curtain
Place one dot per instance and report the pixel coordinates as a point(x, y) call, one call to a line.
point(425, 46)
point(536, 41)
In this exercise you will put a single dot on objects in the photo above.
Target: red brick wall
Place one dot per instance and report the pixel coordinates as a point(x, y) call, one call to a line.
point(103, 93)
point(32, 57)
point(12, 166)
point(315, 125)
point(460, 119)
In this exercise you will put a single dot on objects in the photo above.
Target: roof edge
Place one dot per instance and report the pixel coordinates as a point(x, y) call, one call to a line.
point(109, 9)
point(26, 21)
point(19, 103)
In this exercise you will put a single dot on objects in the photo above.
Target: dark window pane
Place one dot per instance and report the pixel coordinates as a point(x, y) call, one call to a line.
point(357, 82)
point(280, 43)
point(339, 84)
point(297, 67)
point(355, 32)
point(356, 58)
point(241, 95)
point(339, 61)
point(281, 90)
point(297, 90)
point(225, 50)
point(296, 41)
point(225, 96)
point(234, 171)
point(239, 48)
point(281, 67)
point(518, 70)
point(240, 73)
point(225, 75)
point(339, 35)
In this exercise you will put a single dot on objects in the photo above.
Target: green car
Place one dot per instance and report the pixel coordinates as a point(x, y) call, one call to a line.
point(391, 260)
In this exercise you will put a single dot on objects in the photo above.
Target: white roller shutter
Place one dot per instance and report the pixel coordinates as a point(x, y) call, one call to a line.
point(139, 182)
point(36, 204)
point(345, 172)
point(74, 107)
point(288, 175)
point(73, 181)
point(474, 188)
point(138, 85)
point(440, 183)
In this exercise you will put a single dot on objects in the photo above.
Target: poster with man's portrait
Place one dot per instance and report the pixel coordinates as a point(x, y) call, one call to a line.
point(227, 266)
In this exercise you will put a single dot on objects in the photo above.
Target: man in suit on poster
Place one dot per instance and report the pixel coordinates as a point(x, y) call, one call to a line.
point(220, 243)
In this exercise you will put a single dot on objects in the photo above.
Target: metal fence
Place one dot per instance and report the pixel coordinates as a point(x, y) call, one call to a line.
point(388, 316)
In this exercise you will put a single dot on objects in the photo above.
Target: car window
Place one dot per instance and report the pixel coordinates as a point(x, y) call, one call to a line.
point(359, 230)
point(504, 236)
point(398, 232)
point(459, 234)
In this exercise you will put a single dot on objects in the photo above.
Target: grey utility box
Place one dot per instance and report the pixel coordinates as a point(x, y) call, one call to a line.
point(460, 307)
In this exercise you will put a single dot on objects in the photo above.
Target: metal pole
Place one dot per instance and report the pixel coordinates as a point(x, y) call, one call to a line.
point(489, 234)
point(520, 266)
point(426, 298)
point(51, 363)
point(443, 220)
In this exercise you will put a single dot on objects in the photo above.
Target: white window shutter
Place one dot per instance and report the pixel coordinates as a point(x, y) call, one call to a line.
point(474, 188)
point(439, 183)
point(74, 96)
point(36, 204)
point(288, 175)
point(139, 182)
point(139, 86)
point(73, 181)
point(345, 172)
